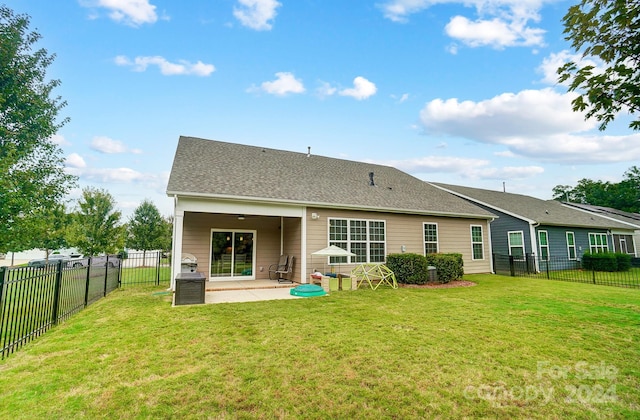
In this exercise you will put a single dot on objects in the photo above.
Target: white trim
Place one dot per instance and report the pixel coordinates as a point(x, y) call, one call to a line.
point(367, 240)
point(524, 249)
point(575, 249)
point(302, 204)
point(547, 246)
point(253, 254)
point(424, 241)
point(176, 252)
point(475, 243)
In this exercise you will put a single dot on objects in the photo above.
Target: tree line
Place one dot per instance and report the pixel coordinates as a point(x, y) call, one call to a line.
point(95, 227)
point(33, 181)
point(624, 195)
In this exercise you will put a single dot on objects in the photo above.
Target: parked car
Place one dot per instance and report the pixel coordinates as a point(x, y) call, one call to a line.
point(101, 261)
point(53, 259)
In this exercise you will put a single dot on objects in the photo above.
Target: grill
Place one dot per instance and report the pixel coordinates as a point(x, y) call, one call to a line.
point(189, 263)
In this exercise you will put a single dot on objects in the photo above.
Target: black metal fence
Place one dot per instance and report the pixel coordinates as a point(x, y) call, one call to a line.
point(33, 299)
point(558, 268)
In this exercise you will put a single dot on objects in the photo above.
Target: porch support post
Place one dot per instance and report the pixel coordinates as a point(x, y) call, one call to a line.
point(304, 278)
point(176, 252)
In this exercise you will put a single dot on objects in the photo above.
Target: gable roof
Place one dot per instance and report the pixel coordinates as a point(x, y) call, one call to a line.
point(214, 169)
point(533, 210)
point(619, 215)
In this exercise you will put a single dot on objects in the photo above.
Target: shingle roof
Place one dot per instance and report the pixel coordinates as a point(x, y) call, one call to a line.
point(544, 212)
point(207, 168)
point(622, 216)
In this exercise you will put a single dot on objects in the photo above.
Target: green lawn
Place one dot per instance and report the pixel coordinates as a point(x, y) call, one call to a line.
point(505, 348)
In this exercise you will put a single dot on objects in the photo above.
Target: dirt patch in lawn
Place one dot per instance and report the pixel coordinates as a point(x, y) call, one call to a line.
point(451, 284)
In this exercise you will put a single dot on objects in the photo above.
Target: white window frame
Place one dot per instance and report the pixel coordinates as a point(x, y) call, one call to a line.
point(514, 246)
point(623, 244)
point(436, 242)
point(540, 246)
point(596, 247)
point(352, 239)
point(569, 246)
point(481, 243)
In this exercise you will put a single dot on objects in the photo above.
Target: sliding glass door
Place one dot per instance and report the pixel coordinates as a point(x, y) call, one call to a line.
point(232, 254)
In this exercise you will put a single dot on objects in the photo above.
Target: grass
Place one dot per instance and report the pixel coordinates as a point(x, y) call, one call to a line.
point(508, 347)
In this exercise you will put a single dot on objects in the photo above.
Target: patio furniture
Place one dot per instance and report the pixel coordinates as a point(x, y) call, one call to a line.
point(375, 275)
point(284, 276)
point(282, 270)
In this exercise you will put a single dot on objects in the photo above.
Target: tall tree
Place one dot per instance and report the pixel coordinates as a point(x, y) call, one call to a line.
point(146, 228)
point(624, 195)
point(50, 229)
point(32, 177)
point(609, 31)
point(96, 226)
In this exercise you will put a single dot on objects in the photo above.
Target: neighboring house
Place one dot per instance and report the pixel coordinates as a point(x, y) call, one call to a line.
point(531, 226)
point(238, 208)
point(622, 241)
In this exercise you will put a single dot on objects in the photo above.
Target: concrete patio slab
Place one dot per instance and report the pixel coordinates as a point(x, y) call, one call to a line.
point(248, 295)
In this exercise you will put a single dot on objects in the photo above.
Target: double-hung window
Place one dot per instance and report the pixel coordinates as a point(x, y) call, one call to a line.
point(598, 242)
point(430, 238)
point(477, 243)
point(543, 242)
point(516, 244)
point(365, 238)
point(571, 246)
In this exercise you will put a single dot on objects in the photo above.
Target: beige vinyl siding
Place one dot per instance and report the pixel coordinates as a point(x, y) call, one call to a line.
point(196, 238)
point(454, 235)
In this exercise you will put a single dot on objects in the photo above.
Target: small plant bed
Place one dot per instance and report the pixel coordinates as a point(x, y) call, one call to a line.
point(437, 285)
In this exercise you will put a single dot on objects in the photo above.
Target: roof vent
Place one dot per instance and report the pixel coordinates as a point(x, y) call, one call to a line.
point(308, 151)
point(371, 183)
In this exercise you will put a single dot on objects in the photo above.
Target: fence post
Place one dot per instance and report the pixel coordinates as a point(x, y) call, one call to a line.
point(512, 267)
point(86, 286)
point(158, 257)
point(593, 275)
point(121, 263)
point(547, 265)
point(3, 271)
point(56, 296)
point(106, 276)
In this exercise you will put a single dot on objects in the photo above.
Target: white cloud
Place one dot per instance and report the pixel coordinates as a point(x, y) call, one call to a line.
point(537, 124)
point(496, 33)
point(74, 160)
point(465, 167)
point(326, 89)
point(130, 12)
point(59, 140)
point(284, 84)
point(362, 89)
point(167, 68)
point(550, 65)
point(256, 14)
point(109, 146)
point(499, 23)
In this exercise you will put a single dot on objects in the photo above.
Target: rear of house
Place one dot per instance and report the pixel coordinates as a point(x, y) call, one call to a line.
point(238, 208)
point(545, 229)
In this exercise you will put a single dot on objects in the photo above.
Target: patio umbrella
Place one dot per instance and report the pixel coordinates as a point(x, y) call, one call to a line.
point(333, 251)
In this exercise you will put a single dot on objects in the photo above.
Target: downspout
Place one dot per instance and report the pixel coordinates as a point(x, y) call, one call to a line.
point(534, 242)
point(490, 246)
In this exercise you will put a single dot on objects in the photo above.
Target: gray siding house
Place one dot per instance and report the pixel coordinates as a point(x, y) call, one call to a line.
point(238, 208)
point(622, 240)
point(543, 228)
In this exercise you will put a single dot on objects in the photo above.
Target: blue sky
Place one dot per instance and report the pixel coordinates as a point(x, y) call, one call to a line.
point(462, 92)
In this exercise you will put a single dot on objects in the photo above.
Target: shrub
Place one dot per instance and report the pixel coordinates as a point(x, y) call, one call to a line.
point(408, 268)
point(448, 266)
point(606, 261)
